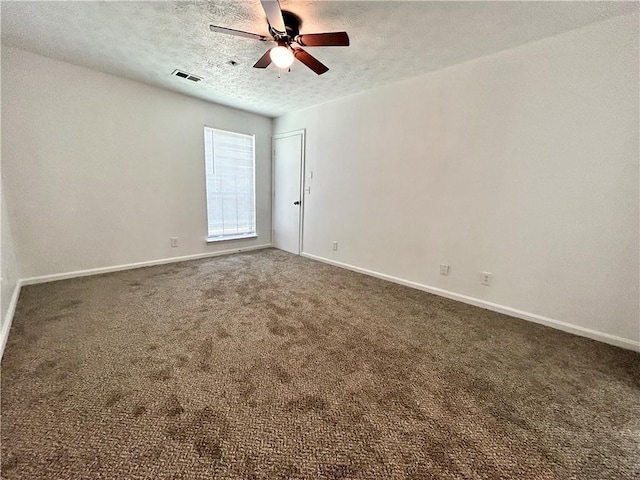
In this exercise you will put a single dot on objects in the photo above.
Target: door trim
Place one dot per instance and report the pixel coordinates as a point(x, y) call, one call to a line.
point(303, 146)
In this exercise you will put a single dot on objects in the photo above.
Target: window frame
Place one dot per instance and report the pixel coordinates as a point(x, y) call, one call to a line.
point(230, 237)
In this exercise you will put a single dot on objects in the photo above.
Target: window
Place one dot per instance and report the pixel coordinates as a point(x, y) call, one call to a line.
point(230, 174)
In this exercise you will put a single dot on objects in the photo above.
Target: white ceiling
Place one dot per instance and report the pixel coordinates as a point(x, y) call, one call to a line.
point(390, 41)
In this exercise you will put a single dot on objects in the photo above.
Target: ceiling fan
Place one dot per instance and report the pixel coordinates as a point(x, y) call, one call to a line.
point(284, 28)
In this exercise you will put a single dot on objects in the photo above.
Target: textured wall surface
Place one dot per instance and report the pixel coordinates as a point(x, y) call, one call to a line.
point(523, 164)
point(146, 41)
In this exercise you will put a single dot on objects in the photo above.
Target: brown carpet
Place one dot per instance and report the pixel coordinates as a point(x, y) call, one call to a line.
point(266, 365)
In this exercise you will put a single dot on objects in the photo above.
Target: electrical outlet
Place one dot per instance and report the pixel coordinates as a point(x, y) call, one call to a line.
point(334, 246)
point(444, 269)
point(485, 278)
point(174, 241)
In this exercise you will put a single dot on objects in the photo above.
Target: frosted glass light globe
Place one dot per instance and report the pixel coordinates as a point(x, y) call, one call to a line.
point(281, 56)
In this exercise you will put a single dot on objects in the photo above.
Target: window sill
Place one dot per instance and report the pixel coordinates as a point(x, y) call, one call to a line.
point(234, 237)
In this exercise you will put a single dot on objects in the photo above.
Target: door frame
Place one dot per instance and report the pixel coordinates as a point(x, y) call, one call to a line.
point(303, 147)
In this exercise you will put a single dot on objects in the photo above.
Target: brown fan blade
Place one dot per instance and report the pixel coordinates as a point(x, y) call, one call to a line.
point(274, 15)
point(239, 33)
point(310, 61)
point(265, 60)
point(332, 39)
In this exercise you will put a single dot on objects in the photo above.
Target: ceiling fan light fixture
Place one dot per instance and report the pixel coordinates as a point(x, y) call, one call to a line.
point(281, 56)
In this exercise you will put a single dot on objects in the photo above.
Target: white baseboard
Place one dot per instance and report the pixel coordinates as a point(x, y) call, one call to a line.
point(532, 317)
point(130, 266)
point(8, 319)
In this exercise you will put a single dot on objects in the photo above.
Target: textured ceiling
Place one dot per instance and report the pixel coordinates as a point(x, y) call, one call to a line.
point(390, 41)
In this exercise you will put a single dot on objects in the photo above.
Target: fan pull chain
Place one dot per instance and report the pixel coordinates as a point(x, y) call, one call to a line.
point(281, 70)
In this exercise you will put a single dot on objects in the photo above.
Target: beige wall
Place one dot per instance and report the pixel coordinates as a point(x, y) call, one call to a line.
point(101, 171)
point(523, 163)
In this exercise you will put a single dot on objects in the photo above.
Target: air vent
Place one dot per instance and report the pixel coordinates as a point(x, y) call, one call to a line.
point(188, 76)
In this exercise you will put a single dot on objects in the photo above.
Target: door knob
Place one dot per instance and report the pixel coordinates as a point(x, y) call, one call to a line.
point(296, 203)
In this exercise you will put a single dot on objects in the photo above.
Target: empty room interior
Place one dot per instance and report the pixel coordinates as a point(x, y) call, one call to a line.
point(320, 240)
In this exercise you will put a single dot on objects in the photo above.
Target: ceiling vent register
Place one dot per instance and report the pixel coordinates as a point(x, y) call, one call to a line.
point(188, 76)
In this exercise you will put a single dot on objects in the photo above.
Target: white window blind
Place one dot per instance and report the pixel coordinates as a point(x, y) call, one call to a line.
point(230, 173)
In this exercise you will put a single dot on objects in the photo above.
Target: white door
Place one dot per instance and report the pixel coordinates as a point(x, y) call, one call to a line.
point(288, 155)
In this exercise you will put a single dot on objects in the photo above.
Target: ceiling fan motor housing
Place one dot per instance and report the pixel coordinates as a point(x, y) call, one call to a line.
point(292, 24)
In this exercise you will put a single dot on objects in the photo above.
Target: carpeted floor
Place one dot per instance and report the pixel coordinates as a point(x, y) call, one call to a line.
point(266, 365)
